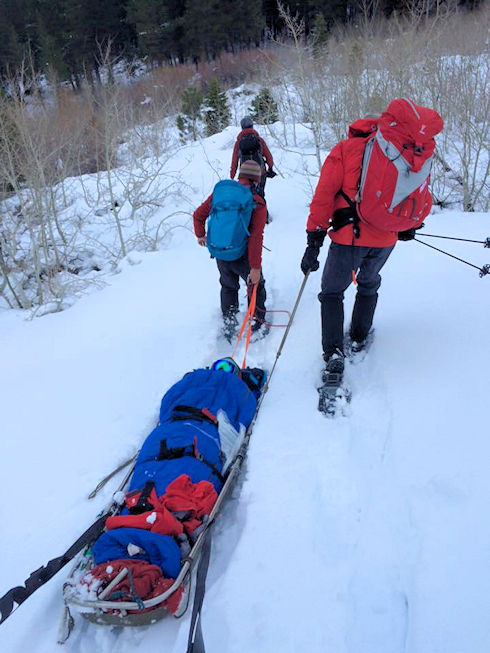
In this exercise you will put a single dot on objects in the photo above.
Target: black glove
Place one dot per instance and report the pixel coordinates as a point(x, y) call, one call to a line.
point(315, 238)
point(270, 173)
point(409, 234)
point(309, 262)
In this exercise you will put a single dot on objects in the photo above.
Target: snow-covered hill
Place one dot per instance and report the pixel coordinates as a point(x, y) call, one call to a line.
point(365, 534)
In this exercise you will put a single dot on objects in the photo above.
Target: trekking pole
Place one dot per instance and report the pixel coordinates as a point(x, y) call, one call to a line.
point(485, 243)
point(195, 642)
point(484, 270)
point(279, 351)
point(107, 478)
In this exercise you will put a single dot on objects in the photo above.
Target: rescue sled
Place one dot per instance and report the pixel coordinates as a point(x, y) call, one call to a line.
point(139, 569)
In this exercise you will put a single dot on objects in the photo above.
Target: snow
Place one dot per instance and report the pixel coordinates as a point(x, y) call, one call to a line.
point(364, 534)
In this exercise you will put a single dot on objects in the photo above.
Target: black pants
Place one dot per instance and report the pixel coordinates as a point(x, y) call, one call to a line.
point(261, 187)
point(336, 278)
point(230, 273)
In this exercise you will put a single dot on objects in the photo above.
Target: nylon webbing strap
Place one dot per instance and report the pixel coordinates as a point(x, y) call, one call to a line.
point(253, 302)
point(41, 576)
point(195, 643)
point(247, 320)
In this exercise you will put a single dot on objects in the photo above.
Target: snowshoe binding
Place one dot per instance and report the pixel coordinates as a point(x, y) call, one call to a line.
point(356, 351)
point(260, 330)
point(334, 394)
point(229, 329)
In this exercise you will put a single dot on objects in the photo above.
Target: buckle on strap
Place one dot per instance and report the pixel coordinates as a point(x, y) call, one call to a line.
point(191, 450)
point(182, 412)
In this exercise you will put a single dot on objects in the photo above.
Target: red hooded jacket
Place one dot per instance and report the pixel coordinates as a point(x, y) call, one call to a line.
point(342, 170)
point(256, 226)
point(236, 151)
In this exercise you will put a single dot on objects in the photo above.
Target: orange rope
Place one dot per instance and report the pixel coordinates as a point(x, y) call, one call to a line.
point(249, 315)
point(253, 301)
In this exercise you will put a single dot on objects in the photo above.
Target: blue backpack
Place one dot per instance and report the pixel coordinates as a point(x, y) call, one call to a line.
point(227, 228)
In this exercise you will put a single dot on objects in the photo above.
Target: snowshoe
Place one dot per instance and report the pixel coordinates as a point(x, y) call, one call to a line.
point(356, 351)
point(259, 330)
point(229, 329)
point(334, 395)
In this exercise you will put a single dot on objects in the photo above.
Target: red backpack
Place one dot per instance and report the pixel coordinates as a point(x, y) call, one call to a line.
point(393, 190)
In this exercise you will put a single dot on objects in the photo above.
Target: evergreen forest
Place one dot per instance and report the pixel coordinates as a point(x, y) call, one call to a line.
point(65, 39)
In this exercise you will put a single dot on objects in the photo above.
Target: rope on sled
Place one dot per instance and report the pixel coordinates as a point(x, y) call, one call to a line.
point(248, 319)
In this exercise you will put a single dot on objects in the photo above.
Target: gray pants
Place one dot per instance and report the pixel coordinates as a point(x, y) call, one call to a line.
point(336, 278)
point(230, 273)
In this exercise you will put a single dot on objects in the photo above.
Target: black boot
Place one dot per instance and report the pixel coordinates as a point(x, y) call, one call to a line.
point(335, 362)
point(230, 326)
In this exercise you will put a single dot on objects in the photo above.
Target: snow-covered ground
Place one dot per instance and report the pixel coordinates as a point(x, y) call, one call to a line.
point(364, 534)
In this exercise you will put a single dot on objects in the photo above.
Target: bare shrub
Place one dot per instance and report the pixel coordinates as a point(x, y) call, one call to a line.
point(44, 246)
point(438, 58)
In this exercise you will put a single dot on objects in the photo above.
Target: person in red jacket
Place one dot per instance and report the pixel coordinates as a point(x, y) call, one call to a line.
point(261, 155)
point(249, 266)
point(355, 246)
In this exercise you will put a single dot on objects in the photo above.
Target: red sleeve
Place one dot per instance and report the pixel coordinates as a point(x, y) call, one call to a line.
point(201, 214)
point(329, 184)
point(267, 153)
point(234, 161)
point(257, 225)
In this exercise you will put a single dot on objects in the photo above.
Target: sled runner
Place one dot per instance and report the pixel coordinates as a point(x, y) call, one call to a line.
point(139, 569)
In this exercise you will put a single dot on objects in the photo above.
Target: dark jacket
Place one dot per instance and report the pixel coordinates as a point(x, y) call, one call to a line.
point(266, 154)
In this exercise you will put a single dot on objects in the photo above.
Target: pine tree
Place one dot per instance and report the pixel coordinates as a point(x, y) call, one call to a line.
point(51, 33)
point(217, 113)
point(335, 11)
point(188, 120)
point(17, 37)
point(319, 34)
point(92, 25)
point(11, 51)
point(150, 19)
point(264, 108)
point(182, 128)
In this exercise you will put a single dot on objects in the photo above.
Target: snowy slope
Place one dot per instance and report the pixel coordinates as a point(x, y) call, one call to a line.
point(366, 534)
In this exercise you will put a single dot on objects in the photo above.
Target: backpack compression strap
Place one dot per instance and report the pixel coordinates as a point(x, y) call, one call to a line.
point(344, 216)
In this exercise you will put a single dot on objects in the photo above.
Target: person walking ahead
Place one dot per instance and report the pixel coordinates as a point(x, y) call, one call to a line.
point(248, 264)
point(362, 225)
point(249, 145)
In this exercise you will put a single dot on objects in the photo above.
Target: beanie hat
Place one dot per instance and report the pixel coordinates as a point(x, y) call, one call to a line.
point(250, 170)
point(246, 122)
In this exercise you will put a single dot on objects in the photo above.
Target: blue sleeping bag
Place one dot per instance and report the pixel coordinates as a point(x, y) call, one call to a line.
point(201, 389)
point(186, 441)
point(161, 550)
